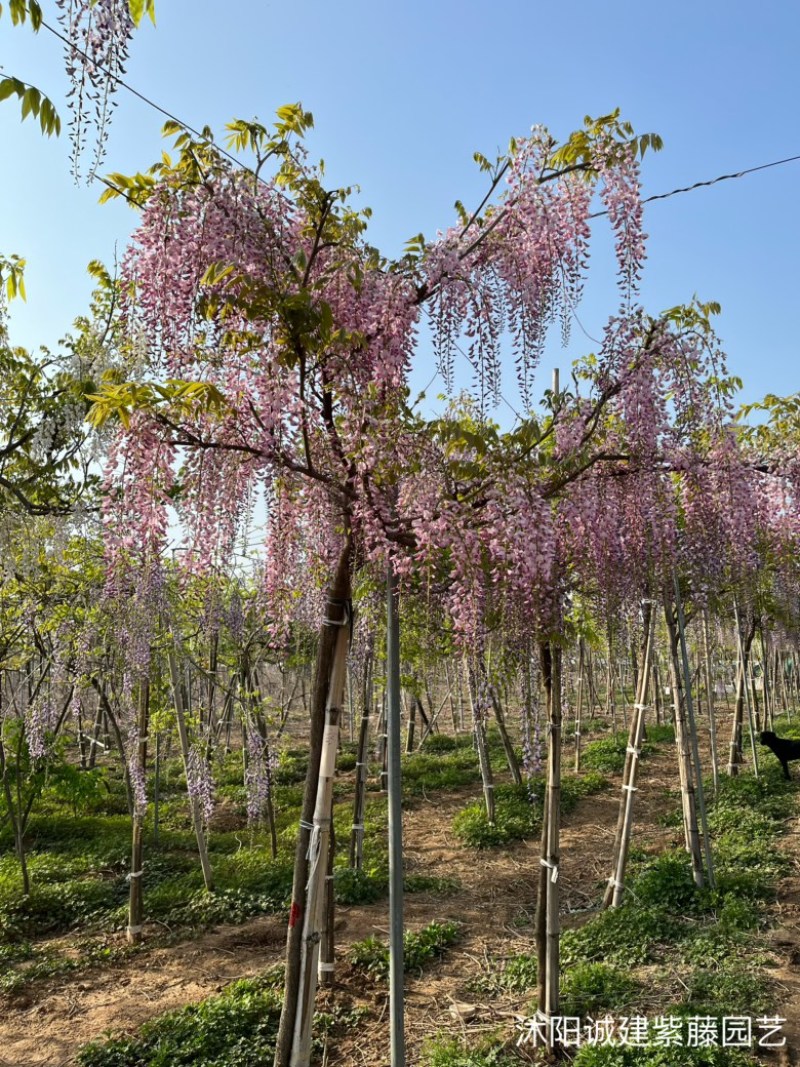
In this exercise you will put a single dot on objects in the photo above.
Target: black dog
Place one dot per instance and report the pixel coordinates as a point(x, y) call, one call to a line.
point(783, 748)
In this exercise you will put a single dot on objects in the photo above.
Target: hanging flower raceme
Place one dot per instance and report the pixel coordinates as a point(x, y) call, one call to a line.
point(261, 766)
point(199, 782)
point(99, 33)
point(525, 269)
point(279, 345)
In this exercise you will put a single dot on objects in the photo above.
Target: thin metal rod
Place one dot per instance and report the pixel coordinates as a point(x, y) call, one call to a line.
point(396, 998)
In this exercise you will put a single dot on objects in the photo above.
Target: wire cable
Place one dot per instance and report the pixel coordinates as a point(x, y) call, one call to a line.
point(197, 133)
point(711, 181)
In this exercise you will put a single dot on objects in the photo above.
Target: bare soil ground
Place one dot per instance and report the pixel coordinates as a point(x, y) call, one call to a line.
point(495, 904)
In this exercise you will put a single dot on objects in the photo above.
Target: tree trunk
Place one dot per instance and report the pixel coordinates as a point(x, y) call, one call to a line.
point(337, 609)
point(136, 899)
point(682, 740)
point(692, 724)
point(412, 723)
point(508, 747)
point(735, 757)
point(357, 833)
point(318, 849)
point(479, 733)
point(194, 801)
point(712, 722)
point(16, 821)
point(579, 706)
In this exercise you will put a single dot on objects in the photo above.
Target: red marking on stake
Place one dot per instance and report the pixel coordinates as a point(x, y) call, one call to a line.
point(294, 914)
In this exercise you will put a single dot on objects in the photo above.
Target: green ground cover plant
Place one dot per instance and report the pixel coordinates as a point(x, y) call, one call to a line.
point(518, 810)
point(420, 948)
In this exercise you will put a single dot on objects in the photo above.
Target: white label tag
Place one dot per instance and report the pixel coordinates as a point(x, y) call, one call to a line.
point(330, 741)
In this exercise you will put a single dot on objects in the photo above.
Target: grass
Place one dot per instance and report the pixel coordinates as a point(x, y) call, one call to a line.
point(236, 1029)
point(608, 753)
point(453, 1052)
point(650, 1056)
point(518, 810)
point(711, 938)
point(79, 862)
point(420, 948)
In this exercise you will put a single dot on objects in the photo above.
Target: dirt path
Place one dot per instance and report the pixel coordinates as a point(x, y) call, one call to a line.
point(495, 904)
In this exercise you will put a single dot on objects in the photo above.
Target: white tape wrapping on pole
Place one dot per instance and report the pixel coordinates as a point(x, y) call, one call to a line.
point(92, 741)
point(553, 867)
point(313, 855)
point(330, 742)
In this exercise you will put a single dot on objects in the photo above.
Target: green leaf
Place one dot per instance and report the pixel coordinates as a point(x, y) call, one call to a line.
point(11, 87)
point(30, 102)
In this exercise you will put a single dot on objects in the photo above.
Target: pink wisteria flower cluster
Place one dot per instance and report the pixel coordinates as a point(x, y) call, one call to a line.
point(287, 342)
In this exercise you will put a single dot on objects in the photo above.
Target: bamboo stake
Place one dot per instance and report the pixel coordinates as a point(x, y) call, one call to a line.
point(551, 863)
point(397, 1035)
point(338, 608)
point(712, 726)
point(616, 883)
point(686, 772)
point(701, 802)
point(357, 832)
point(318, 855)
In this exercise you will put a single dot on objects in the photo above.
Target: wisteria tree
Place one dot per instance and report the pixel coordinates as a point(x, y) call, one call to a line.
point(270, 346)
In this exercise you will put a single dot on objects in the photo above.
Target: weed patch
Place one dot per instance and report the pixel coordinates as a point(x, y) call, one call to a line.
point(420, 948)
point(235, 1029)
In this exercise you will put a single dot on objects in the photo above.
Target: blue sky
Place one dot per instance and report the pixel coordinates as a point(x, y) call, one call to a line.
point(403, 94)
